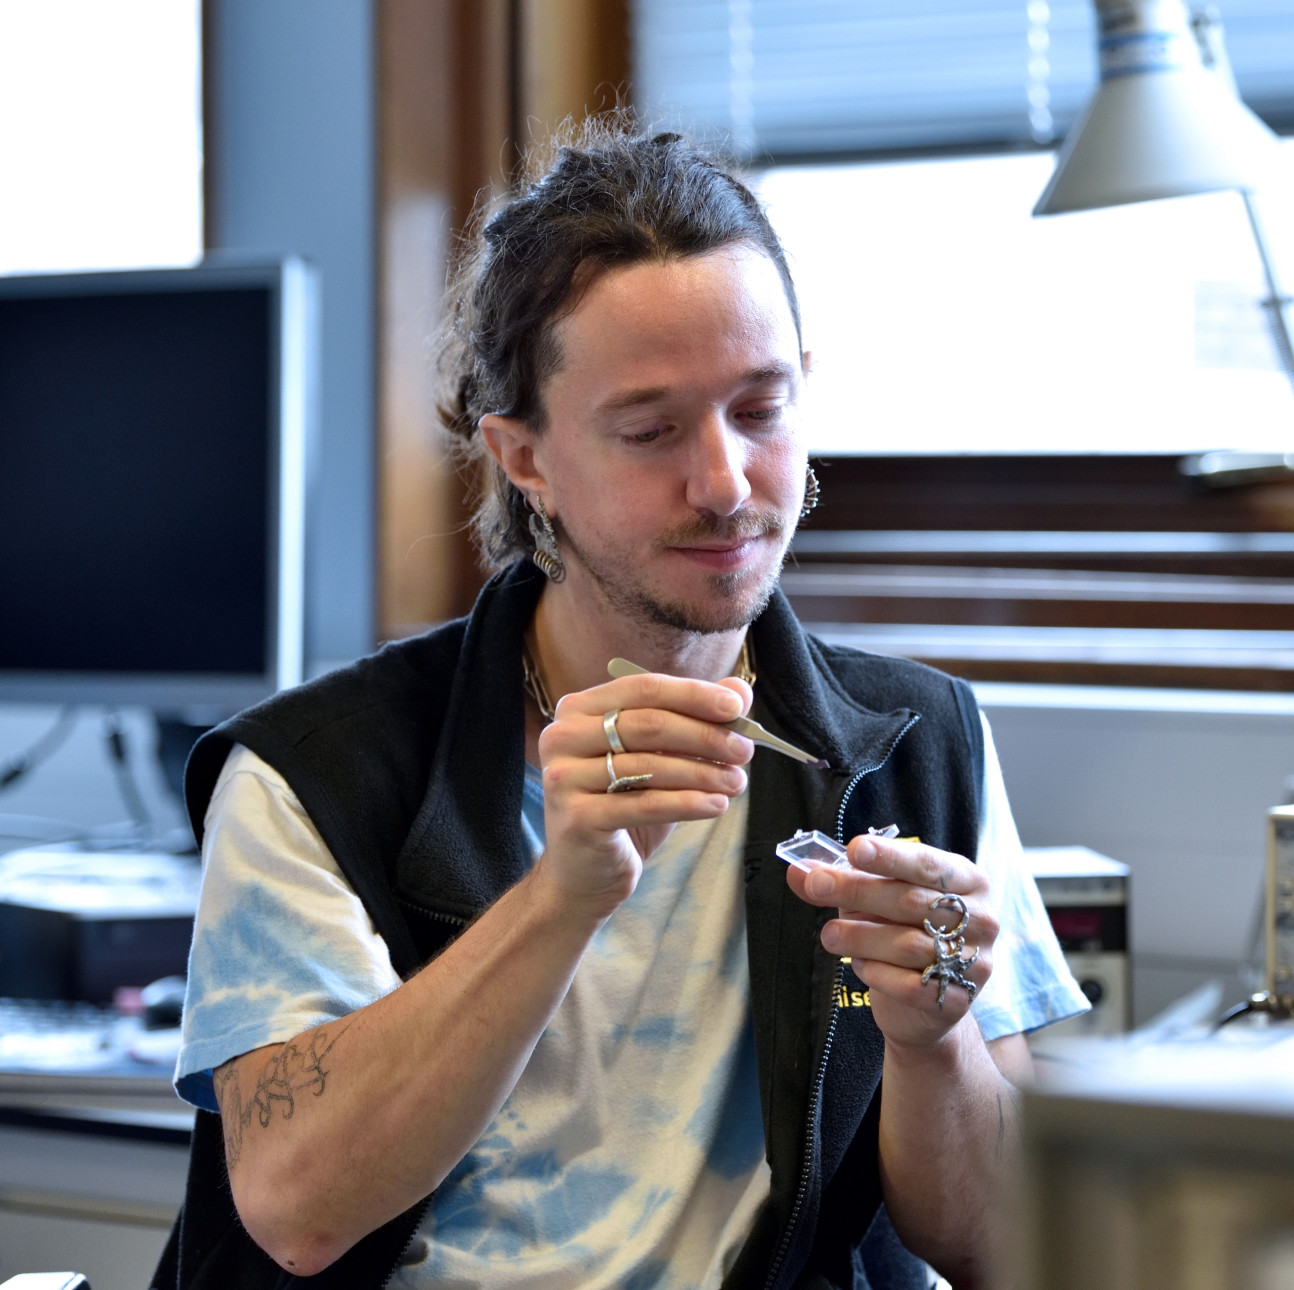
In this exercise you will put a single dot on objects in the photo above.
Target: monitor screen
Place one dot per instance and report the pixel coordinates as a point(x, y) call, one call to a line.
point(152, 471)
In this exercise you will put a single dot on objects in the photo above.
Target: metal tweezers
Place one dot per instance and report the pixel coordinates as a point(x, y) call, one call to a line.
point(752, 730)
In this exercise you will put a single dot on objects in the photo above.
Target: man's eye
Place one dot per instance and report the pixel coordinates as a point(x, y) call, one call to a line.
point(763, 416)
point(645, 436)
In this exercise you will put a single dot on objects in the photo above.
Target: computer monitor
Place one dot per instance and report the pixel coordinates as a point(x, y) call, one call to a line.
point(153, 440)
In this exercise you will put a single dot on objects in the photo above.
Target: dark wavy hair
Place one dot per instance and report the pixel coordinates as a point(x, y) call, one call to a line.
point(609, 196)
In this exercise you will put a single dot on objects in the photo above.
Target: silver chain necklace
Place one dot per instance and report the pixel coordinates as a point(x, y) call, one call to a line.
point(533, 679)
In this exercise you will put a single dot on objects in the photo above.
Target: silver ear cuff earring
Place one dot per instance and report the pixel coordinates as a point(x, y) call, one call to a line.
point(545, 555)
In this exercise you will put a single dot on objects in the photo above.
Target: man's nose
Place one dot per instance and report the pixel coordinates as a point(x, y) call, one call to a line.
point(717, 479)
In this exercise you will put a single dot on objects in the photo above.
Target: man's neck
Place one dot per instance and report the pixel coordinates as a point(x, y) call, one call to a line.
point(572, 641)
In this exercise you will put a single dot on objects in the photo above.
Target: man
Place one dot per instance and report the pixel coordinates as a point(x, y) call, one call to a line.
point(498, 980)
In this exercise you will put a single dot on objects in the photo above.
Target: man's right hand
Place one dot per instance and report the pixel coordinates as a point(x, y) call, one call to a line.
point(672, 729)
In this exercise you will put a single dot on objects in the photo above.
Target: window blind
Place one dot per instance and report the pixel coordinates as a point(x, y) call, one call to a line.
point(786, 79)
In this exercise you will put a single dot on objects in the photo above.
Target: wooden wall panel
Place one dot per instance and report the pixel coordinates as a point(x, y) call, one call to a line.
point(574, 58)
point(461, 83)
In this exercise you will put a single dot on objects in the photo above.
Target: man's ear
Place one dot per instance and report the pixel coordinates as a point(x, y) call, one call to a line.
point(511, 444)
point(806, 361)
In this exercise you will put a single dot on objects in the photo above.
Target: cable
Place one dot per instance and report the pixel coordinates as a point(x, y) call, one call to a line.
point(21, 764)
point(139, 830)
point(119, 757)
point(1239, 1010)
point(40, 828)
point(1275, 1005)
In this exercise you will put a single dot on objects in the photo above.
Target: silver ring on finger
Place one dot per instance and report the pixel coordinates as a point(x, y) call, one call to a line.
point(609, 720)
point(623, 783)
point(949, 902)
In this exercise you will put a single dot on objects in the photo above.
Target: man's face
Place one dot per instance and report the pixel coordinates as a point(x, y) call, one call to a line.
point(672, 456)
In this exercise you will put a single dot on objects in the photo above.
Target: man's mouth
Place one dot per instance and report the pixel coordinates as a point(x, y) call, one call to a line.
point(733, 545)
point(719, 555)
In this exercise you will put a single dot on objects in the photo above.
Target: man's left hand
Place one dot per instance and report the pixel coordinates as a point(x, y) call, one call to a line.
point(881, 904)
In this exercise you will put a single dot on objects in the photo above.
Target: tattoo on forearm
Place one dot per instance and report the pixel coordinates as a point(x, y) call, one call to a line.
point(296, 1069)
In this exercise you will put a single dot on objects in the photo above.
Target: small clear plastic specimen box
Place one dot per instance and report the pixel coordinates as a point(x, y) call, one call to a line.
point(808, 850)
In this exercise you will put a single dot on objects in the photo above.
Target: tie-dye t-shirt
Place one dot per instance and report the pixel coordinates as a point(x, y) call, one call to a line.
point(630, 1152)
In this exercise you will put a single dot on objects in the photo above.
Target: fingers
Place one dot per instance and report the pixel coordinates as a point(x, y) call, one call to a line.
point(896, 880)
point(704, 700)
point(671, 730)
point(659, 730)
point(894, 988)
point(918, 983)
point(672, 774)
point(903, 947)
point(657, 714)
point(914, 863)
point(585, 824)
point(898, 935)
point(860, 897)
point(607, 813)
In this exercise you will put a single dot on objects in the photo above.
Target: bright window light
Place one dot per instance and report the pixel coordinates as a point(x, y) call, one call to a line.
point(100, 134)
point(943, 318)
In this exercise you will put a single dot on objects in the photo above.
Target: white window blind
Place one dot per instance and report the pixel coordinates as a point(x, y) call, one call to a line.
point(786, 79)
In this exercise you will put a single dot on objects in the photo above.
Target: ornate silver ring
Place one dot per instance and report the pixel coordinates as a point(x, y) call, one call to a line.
point(625, 783)
point(949, 967)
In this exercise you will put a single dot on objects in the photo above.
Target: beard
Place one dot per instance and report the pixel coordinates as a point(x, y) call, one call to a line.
point(731, 601)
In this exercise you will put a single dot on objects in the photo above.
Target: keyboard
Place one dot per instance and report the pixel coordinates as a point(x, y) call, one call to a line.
point(52, 1034)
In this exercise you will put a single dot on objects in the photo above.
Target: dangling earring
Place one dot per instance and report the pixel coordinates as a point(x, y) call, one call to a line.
point(545, 555)
point(812, 491)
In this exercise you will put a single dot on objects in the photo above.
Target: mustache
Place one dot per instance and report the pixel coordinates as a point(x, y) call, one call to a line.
point(751, 522)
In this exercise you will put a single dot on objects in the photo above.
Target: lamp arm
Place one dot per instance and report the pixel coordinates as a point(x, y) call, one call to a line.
point(1276, 302)
point(1206, 27)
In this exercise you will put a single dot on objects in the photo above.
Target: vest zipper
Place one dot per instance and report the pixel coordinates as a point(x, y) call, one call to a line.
point(820, 1076)
point(815, 1100)
point(404, 1249)
point(455, 920)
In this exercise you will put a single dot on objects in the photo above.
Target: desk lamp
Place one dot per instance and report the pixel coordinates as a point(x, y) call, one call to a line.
point(1166, 121)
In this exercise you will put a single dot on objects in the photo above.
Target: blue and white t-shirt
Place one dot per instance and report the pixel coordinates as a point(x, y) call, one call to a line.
point(631, 1152)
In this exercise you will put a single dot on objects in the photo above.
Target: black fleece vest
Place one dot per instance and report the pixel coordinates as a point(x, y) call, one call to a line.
point(410, 764)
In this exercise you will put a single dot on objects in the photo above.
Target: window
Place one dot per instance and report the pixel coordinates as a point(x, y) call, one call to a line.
point(100, 134)
point(943, 318)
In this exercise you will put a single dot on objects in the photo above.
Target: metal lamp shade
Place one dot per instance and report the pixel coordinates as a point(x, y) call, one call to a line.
point(1161, 124)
